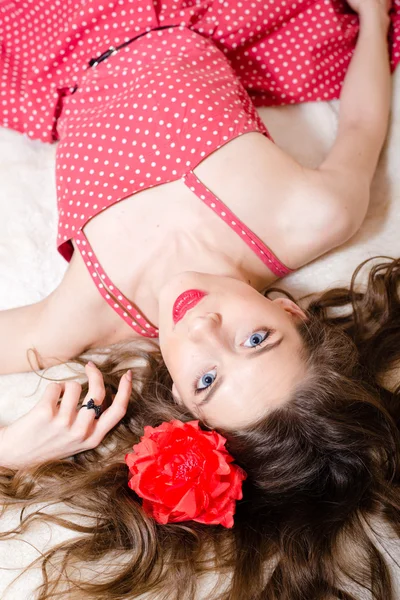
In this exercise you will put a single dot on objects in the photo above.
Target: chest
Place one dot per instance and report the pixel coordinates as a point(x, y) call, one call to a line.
point(134, 234)
point(137, 230)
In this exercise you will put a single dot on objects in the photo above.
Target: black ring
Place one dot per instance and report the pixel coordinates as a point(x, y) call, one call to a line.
point(90, 404)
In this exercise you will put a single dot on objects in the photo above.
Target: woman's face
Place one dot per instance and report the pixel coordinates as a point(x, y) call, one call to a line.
point(233, 355)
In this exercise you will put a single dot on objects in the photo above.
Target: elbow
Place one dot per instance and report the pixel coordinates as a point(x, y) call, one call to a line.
point(346, 216)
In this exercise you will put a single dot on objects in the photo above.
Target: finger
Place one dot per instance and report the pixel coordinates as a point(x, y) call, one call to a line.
point(69, 402)
point(52, 394)
point(114, 413)
point(96, 391)
point(96, 394)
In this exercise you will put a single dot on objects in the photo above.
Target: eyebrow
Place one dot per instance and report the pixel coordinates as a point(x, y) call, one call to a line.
point(251, 355)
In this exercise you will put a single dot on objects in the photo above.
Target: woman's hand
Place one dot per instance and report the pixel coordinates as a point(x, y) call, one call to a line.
point(55, 429)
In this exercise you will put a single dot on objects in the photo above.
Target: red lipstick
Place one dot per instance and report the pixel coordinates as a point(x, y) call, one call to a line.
point(185, 302)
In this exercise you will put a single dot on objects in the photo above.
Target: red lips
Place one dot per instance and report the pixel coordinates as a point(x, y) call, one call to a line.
point(185, 302)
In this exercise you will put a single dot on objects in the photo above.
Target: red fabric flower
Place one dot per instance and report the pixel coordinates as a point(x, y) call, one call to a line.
point(183, 473)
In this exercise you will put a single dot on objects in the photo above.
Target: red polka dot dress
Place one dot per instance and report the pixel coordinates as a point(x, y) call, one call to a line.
point(169, 82)
point(283, 51)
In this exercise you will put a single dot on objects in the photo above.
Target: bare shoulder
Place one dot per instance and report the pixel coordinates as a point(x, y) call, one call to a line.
point(75, 317)
point(48, 332)
point(293, 209)
point(313, 218)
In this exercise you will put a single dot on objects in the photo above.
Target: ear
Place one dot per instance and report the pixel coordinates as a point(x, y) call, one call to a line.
point(291, 307)
point(176, 394)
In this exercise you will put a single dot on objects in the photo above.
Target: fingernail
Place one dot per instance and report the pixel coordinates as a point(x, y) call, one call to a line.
point(129, 375)
point(90, 364)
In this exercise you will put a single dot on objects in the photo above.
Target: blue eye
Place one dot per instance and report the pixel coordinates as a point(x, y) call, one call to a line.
point(256, 338)
point(205, 381)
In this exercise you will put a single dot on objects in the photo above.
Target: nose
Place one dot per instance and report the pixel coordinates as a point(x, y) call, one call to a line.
point(204, 326)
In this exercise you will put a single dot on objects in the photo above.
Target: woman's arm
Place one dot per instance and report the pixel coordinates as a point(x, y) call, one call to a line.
point(333, 199)
point(70, 320)
point(39, 335)
point(16, 329)
point(42, 334)
point(364, 108)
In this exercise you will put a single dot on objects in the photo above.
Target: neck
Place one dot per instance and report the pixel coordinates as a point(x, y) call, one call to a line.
point(189, 252)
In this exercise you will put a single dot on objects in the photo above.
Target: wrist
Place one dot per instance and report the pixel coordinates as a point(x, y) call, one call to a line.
point(374, 17)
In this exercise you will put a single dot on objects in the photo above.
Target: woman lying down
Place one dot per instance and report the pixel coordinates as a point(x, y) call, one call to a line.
point(225, 430)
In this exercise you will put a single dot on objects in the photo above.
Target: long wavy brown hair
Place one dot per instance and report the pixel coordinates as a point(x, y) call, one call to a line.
point(320, 469)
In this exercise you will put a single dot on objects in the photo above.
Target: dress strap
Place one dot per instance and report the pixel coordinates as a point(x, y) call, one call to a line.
point(262, 251)
point(111, 294)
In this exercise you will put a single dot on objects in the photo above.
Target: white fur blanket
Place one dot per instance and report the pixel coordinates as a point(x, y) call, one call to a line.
point(30, 267)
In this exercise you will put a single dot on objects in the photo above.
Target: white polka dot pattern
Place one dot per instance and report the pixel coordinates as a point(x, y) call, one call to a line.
point(145, 116)
point(153, 110)
point(258, 247)
point(111, 294)
point(284, 51)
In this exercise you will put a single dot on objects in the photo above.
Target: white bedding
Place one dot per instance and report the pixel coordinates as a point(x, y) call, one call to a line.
point(30, 266)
